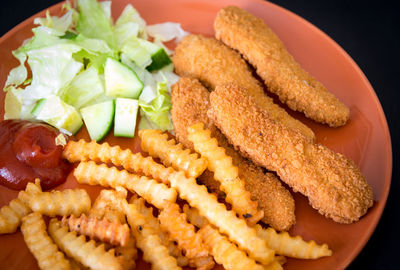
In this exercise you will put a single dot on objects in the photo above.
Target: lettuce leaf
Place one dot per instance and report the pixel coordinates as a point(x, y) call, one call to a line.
point(158, 111)
point(93, 22)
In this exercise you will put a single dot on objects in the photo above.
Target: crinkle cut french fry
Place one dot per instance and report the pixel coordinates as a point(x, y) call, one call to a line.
point(224, 172)
point(148, 240)
point(157, 144)
point(128, 254)
point(12, 214)
point(61, 203)
point(87, 253)
point(294, 247)
point(194, 216)
point(84, 151)
point(40, 244)
point(152, 191)
point(225, 252)
point(107, 201)
point(174, 222)
point(217, 214)
point(154, 223)
point(99, 229)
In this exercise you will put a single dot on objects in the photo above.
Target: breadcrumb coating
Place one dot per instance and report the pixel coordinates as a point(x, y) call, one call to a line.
point(190, 102)
point(276, 66)
point(213, 63)
point(333, 184)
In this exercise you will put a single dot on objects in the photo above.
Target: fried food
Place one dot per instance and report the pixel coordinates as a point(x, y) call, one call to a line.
point(154, 223)
point(190, 102)
point(174, 223)
point(156, 143)
point(152, 191)
point(213, 63)
point(281, 73)
point(40, 244)
point(226, 253)
point(11, 215)
point(217, 214)
point(102, 230)
point(84, 151)
point(147, 238)
point(333, 184)
point(103, 209)
point(294, 247)
point(87, 253)
point(61, 203)
point(224, 172)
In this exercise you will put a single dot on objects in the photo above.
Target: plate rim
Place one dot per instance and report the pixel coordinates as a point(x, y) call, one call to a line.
point(381, 113)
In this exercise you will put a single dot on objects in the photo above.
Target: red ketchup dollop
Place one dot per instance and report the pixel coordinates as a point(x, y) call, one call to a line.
point(28, 151)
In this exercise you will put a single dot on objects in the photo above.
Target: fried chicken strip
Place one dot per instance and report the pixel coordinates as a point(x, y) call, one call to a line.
point(333, 184)
point(190, 102)
point(281, 73)
point(213, 63)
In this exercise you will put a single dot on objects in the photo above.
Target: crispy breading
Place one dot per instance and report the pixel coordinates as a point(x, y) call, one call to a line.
point(190, 102)
point(276, 66)
point(333, 184)
point(213, 63)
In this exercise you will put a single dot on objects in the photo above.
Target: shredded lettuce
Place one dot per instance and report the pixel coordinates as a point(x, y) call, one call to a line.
point(166, 31)
point(94, 22)
point(158, 111)
point(66, 58)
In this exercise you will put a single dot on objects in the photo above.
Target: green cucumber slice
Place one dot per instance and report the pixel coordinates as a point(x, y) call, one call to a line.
point(126, 110)
point(121, 81)
point(159, 60)
point(98, 119)
point(159, 57)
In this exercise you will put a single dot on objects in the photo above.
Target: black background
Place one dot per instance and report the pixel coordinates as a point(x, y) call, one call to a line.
point(370, 35)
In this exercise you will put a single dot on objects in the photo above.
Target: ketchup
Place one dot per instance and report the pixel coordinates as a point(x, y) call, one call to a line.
point(28, 150)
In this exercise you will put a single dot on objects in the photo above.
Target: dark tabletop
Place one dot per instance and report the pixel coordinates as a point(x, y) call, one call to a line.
point(370, 35)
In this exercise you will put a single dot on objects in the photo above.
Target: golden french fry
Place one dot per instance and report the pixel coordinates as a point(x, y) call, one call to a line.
point(154, 192)
point(147, 239)
point(226, 253)
point(194, 216)
point(217, 214)
point(224, 172)
point(99, 229)
point(87, 253)
point(174, 222)
point(154, 223)
point(294, 247)
point(157, 144)
point(40, 244)
point(12, 214)
point(105, 208)
point(128, 254)
point(84, 151)
point(61, 203)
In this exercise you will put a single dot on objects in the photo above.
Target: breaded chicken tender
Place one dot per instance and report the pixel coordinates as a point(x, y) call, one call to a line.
point(333, 184)
point(213, 63)
point(190, 102)
point(281, 73)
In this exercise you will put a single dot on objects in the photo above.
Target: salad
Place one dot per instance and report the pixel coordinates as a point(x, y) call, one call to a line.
point(82, 67)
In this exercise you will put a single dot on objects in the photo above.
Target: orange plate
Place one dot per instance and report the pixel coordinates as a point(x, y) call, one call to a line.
point(365, 139)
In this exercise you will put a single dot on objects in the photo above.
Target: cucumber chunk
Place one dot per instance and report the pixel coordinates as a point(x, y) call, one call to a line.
point(98, 119)
point(121, 81)
point(125, 117)
point(159, 60)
